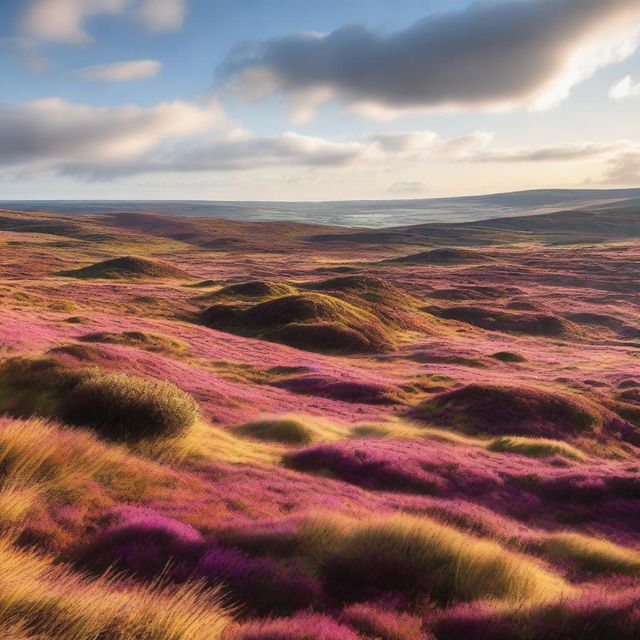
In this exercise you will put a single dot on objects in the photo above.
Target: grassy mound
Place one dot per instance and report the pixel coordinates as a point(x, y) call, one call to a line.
point(154, 342)
point(535, 447)
point(419, 557)
point(511, 410)
point(508, 356)
point(128, 267)
point(311, 321)
point(344, 390)
point(253, 290)
point(445, 256)
point(291, 430)
point(593, 554)
point(128, 409)
point(534, 324)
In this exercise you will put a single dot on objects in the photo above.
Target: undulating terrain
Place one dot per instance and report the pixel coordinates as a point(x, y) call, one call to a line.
point(218, 429)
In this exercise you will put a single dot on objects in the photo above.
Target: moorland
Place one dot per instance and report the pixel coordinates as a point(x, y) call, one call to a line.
point(226, 429)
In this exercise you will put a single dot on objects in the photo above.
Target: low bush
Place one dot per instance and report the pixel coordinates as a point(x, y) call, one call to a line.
point(128, 409)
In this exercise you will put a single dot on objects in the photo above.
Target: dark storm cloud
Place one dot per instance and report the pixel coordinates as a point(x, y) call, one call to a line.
point(492, 54)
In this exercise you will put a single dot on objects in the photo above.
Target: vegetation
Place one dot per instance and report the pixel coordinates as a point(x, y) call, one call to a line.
point(291, 430)
point(535, 447)
point(593, 554)
point(128, 267)
point(128, 409)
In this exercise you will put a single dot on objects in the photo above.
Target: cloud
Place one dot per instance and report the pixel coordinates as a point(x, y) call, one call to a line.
point(624, 169)
point(490, 56)
point(162, 15)
point(121, 71)
point(408, 188)
point(101, 143)
point(63, 21)
point(626, 88)
point(554, 153)
point(52, 134)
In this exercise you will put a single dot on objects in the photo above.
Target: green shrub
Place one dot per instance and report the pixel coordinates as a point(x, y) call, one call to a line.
point(124, 408)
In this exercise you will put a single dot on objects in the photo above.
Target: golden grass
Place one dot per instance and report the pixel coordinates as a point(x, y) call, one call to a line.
point(535, 447)
point(593, 554)
point(203, 443)
point(425, 559)
point(49, 600)
point(292, 429)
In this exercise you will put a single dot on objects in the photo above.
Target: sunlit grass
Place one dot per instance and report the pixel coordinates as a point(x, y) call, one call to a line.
point(57, 604)
point(593, 554)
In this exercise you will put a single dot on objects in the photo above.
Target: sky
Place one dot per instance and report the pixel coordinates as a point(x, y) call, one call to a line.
point(316, 99)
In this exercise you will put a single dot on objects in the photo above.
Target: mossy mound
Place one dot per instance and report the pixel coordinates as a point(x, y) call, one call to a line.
point(508, 356)
point(128, 267)
point(310, 321)
point(533, 324)
point(253, 290)
point(394, 306)
point(513, 410)
point(154, 342)
point(344, 390)
point(445, 256)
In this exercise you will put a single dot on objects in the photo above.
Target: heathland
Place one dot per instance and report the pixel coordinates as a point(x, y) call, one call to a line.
point(236, 430)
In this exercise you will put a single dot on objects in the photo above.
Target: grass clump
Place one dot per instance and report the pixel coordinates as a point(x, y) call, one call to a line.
point(291, 430)
point(424, 559)
point(535, 447)
point(51, 602)
point(593, 554)
point(128, 409)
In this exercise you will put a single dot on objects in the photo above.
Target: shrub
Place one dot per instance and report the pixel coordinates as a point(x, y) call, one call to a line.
point(126, 408)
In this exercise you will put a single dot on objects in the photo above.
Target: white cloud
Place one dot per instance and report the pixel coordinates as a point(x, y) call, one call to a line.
point(490, 56)
point(555, 153)
point(162, 15)
point(64, 20)
point(121, 71)
point(626, 88)
point(52, 134)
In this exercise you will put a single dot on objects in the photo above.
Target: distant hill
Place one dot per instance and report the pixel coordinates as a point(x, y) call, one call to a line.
point(357, 213)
